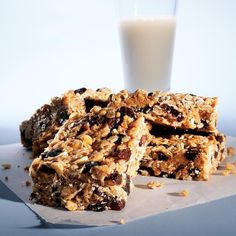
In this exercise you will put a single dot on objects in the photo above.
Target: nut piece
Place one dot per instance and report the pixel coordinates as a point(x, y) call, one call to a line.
point(229, 166)
point(230, 151)
point(184, 193)
point(154, 184)
point(6, 166)
point(122, 221)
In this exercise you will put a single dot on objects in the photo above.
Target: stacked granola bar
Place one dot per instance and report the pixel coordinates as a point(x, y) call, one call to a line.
point(92, 143)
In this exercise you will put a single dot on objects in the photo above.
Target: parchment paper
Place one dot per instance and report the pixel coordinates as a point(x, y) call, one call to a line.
point(142, 202)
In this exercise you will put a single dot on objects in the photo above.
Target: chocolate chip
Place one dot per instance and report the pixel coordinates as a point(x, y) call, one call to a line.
point(161, 156)
point(117, 205)
point(88, 166)
point(191, 154)
point(172, 111)
point(124, 154)
point(80, 91)
point(127, 111)
point(143, 140)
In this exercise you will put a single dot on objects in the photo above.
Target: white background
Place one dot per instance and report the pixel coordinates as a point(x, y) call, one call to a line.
point(47, 47)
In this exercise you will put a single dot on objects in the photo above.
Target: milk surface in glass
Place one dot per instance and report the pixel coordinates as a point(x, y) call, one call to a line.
point(147, 45)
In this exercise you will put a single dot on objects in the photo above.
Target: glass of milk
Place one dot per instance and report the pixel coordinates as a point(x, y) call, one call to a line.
point(147, 32)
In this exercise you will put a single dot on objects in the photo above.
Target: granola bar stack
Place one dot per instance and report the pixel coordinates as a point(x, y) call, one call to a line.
point(90, 144)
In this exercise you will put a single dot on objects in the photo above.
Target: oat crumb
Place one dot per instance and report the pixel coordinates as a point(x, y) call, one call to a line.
point(6, 178)
point(184, 193)
point(225, 172)
point(26, 169)
point(229, 166)
point(153, 185)
point(230, 151)
point(122, 221)
point(27, 183)
point(6, 166)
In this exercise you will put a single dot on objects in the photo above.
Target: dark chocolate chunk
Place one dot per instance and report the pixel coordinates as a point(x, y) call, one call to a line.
point(97, 207)
point(127, 111)
point(63, 115)
point(171, 110)
point(124, 154)
point(80, 91)
point(161, 156)
point(219, 138)
point(52, 153)
point(118, 141)
point(115, 178)
point(148, 169)
point(150, 94)
point(191, 154)
point(146, 109)
point(90, 103)
point(194, 172)
point(88, 166)
point(46, 169)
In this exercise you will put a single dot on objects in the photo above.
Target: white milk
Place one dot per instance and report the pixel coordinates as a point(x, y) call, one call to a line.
point(147, 52)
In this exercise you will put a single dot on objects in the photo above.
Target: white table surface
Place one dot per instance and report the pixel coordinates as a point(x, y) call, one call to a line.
point(47, 48)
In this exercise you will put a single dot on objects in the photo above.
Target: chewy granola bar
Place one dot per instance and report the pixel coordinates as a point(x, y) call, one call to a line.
point(45, 122)
point(183, 156)
point(179, 111)
point(90, 163)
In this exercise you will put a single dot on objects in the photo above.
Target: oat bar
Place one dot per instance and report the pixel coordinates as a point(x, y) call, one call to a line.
point(179, 111)
point(183, 156)
point(90, 163)
point(45, 122)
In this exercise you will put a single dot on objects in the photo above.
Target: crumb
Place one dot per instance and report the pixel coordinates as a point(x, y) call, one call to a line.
point(26, 169)
point(233, 172)
point(6, 178)
point(184, 193)
point(230, 151)
point(27, 183)
point(229, 166)
point(122, 221)
point(153, 185)
point(6, 166)
point(225, 172)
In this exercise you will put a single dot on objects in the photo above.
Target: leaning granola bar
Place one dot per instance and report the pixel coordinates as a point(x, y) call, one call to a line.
point(46, 121)
point(90, 163)
point(176, 110)
point(183, 156)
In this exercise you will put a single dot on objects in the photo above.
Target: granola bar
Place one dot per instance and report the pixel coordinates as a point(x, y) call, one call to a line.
point(179, 111)
point(46, 121)
point(183, 156)
point(90, 163)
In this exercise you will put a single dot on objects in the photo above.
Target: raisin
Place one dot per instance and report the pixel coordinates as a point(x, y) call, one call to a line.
point(161, 156)
point(117, 205)
point(90, 103)
point(80, 91)
point(127, 111)
point(219, 138)
point(124, 154)
point(143, 140)
point(191, 154)
point(115, 178)
point(147, 109)
point(172, 111)
point(88, 166)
